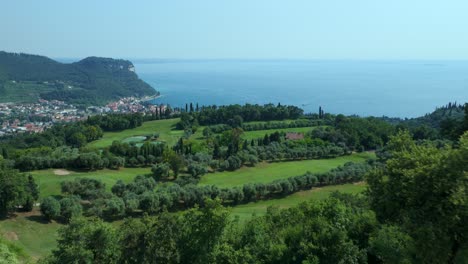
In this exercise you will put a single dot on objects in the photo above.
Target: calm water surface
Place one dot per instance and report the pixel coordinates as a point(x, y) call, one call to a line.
point(391, 88)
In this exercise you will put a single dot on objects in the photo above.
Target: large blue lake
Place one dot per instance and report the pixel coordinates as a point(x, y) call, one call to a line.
point(391, 88)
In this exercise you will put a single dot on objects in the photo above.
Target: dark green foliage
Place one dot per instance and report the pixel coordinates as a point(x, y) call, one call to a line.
point(70, 207)
point(446, 122)
point(196, 170)
point(17, 190)
point(91, 81)
point(319, 232)
point(50, 208)
point(235, 115)
point(355, 133)
point(83, 241)
point(84, 187)
point(424, 189)
point(142, 192)
point(108, 208)
point(116, 122)
point(160, 171)
point(219, 128)
point(175, 161)
point(391, 245)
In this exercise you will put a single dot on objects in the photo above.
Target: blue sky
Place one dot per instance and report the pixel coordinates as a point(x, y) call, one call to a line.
point(309, 29)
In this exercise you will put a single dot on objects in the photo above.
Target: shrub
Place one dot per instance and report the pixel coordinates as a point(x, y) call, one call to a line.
point(50, 208)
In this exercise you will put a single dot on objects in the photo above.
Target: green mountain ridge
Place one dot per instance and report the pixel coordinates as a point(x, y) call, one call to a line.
point(93, 80)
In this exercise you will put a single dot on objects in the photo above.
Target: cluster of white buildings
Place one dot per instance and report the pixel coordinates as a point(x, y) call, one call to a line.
point(36, 117)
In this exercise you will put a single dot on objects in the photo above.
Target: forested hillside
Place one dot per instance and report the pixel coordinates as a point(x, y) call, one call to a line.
point(93, 80)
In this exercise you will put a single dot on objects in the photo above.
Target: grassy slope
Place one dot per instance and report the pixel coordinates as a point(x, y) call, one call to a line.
point(245, 211)
point(267, 172)
point(30, 232)
point(49, 182)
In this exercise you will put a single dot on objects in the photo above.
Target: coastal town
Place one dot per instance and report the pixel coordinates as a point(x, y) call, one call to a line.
point(36, 117)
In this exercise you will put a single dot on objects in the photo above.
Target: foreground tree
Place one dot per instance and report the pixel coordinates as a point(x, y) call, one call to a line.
point(16, 191)
point(425, 189)
point(84, 241)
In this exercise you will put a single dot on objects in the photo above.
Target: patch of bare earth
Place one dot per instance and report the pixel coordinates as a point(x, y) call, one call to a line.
point(11, 236)
point(61, 172)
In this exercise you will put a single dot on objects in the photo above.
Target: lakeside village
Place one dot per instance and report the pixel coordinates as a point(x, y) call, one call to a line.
point(36, 117)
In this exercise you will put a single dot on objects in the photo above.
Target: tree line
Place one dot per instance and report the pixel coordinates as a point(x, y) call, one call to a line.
point(232, 114)
point(269, 125)
point(146, 194)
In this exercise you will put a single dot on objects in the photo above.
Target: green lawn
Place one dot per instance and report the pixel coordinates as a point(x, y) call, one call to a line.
point(49, 181)
point(30, 232)
point(165, 128)
point(267, 172)
point(245, 211)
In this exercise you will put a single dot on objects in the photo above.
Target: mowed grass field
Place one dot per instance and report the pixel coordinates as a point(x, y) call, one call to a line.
point(266, 172)
point(165, 128)
point(245, 211)
point(49, 180)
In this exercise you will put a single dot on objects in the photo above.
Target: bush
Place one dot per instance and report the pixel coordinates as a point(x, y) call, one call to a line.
point(196, 170)
point(160, 171)
point(70, 207)
point(50, 208)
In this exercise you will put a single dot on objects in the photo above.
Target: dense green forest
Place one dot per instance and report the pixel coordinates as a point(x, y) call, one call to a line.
point(91, 81)
point(414, 208)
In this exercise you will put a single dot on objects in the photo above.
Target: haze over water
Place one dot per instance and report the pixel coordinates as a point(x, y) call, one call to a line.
point(391, 88)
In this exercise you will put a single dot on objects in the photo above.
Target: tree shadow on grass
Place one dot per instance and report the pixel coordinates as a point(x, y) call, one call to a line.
point(38, 219)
